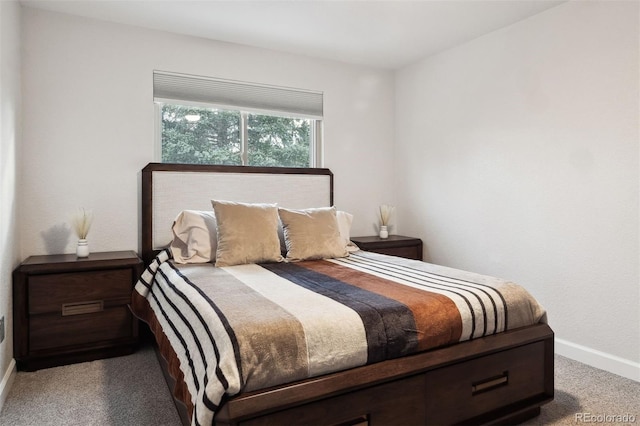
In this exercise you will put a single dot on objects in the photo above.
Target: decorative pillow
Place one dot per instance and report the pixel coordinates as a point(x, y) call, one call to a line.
point(312, 234)
point(247, 233)
point(194, 237)
point(344, 226)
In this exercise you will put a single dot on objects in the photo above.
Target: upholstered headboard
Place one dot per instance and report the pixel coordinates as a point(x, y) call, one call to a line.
point(167, 189)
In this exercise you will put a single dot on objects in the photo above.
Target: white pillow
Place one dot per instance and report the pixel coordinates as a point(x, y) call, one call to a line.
point(194, 237)
point(344, 225)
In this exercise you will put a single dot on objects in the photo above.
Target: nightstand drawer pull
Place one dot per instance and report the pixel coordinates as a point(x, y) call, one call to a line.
point(82, 308)
point(490, 383)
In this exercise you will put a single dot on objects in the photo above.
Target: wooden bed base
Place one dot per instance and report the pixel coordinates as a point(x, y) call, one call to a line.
point(499, 379)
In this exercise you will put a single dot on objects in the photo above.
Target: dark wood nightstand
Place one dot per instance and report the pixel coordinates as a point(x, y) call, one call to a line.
point(395, 245)
point(68, 309)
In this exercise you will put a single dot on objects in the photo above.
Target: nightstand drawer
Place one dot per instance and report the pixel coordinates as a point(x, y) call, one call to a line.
point(406, 252)
point(48, 293)
point(394, 245)
point(53, 331)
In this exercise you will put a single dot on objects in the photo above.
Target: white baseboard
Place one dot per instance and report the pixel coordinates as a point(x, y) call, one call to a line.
point(602, 360)
point(7, 381)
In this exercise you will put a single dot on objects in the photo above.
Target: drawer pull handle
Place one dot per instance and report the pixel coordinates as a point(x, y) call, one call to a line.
point(82, 308)
point(358, 421)
point(490, 383)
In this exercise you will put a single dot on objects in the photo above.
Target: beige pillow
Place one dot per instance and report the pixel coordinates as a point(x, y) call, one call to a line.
point(247, 233)
point(344, 226)
point(312, 234)
point(194, 237)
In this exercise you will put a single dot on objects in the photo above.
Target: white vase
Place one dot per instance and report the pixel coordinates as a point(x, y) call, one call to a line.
point(384, 233)
point(83, 248)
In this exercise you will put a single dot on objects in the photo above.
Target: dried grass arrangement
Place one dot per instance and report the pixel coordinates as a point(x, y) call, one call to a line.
point(386, 211)
point(82, 220)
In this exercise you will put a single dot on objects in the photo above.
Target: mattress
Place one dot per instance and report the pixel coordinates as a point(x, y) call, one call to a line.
point(247, 327)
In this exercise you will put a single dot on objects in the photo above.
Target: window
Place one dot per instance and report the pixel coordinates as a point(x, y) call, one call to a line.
point(200, 135)
point(212, 121)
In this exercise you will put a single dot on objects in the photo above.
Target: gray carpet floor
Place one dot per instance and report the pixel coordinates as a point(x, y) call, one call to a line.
point(130, 390)
point(586, 395)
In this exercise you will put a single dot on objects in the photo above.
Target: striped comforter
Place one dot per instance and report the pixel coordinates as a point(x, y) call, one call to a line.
point(247, 327)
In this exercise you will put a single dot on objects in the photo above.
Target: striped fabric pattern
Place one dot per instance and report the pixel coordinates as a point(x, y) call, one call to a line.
point(247, 327)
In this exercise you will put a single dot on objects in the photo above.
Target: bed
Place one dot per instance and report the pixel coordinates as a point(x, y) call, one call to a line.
point(350, 338)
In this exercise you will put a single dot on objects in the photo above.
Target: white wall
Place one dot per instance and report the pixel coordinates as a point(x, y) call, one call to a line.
point(9, 151)
point(517, 156)
point(89, 122)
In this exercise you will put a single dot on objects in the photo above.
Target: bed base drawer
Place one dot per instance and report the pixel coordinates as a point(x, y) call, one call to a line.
point(486, 384)
point(396, 403)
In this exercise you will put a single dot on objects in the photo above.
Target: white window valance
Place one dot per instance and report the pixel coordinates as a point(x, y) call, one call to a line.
point(172, 87)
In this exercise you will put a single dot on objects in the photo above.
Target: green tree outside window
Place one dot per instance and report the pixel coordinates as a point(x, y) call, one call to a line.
point(197, 135)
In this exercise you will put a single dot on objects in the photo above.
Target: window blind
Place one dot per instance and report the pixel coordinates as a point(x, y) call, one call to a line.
point(236, 94)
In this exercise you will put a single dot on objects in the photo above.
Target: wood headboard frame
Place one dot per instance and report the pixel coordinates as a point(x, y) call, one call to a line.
point(294, 185)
